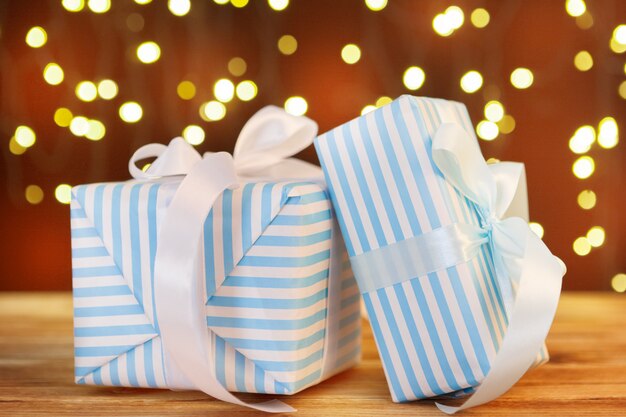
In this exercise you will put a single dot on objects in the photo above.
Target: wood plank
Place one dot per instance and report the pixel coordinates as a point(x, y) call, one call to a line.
point(586, 376)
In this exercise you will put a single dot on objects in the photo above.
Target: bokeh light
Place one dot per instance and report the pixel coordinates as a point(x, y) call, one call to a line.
point(582, 140)
point(237, 66)
point(287, 45)
point(25, 136)
point(63, 117)
point(296, 105)
point(596, 236)
point(86, 91)
point(148, 52)
point(587, 199)
point(608, 133)
point(494, 111)
point(581, 246)
point(480, 18)
point(583, 61)
point(131, 112)
point(621, 90)
point(471, 81)
point(186, 90)
point(239, 3)
point(15, 148)
point(33, 194)
point(413, 78)
point(367, 109)
point(383, 101)
point(507, 124)
point(522, 78)
point(575, 8)
point(584, 167)
point(179, 7)
point(36, 37)
point(618, 283)
point(278, 5)
point(213, 111)
point(351, 53)
point(63, 193)
point(246, 90)
point(224, 90)
point(107, 89)
point(376, 5)
point(194, 134)
point(537, 229)
point(442, 25)
point(487, 130)
point(96, 130)
point(53, 74)
point(619, 34)
point(73, 5)
point(455, 16)
point(79, 126)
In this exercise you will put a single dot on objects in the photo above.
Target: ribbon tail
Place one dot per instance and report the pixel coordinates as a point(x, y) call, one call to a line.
point(534, 308)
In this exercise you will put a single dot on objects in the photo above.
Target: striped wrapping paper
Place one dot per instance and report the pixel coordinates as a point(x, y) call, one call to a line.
point(439, 333)
point(266, 258)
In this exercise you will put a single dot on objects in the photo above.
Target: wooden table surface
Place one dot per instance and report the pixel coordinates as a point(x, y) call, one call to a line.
point(586, 376)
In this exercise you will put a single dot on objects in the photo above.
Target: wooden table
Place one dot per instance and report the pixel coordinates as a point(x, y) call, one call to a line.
point(587, 374)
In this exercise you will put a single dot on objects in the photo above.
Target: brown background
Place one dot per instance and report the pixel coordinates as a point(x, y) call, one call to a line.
point(34, 242)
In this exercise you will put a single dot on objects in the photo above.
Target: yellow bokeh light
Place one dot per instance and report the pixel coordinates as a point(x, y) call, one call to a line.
point(376, 5)
point(537, 229)
point(148, 52)
point(36, 37)
point(584, 21)
point(596, 236)
point(608, 133)
point(33, 194)
point(79, 126)
point(413, 78)
point(575, 8)
point(99, 6)
point(63, 117)
point(186, 90)
point(582, 140)
point(455, 16)
point(224, 90)
point(487, 130)
point(507, 124)
point(287, 45)
point(619, 34)
point(193, 134)
point(142, 2)
point(583, 61)
point(383, 101)
point(237, 66)
point(480, 18)
point(63, 193)
point(494, 111)
point(442, 25)
point(522, 78)
point(96, 130)
point(618, 283)
point(179, 7)
point(53, 74)
point(25, 136)
point(239, 3)
point(581, 246)
point(296, 105)
point(86, 91)
point(131, 112)
point(583, 167)
point(278, 5)
point(107, 89)
point(15, 148)
point(221, 1)
point(471, 81)
point(587, 199)
point(246, 90)
point(367, 109)
point(73, 5)
point(351, 54)
point(617, 47)
point(213, 111)
point(621, 90)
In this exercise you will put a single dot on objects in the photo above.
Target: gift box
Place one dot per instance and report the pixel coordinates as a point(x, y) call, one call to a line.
point(281, 304)
point(438, 330)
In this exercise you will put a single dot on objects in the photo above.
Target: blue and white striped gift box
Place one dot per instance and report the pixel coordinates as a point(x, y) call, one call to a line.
point(266, 252)
point(436, 334)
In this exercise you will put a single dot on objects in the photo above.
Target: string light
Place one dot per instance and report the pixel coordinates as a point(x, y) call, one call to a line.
point(53, 74)
point(73, 5)
point(63, 117)
point(596, 236)
point(367, 109)
point(583, 167)
point(278, 5)
point(575, 8)
point(582, 140)
point(237, 66)
point(618, 283)
point(224, 90)
point(246, 90)
point(608, 133)
point(494, 111)
point(179, 7)
point(193, 134)
point(581, 246)
point(587, 199)
point(296, 105)
point(537, 229)
point(522, 78)
point(487, 130)
point(63, 193)
point(287, 45)
point(480, 18)
point(148, 52)
point(15, 148)
point(471, 81)
point(33, 194)
point(36, 37)
point(107, 89)
point(186, 90)
point(25, 136)
point(86, 91)
point(79, 126)
point(376, 5)
point(96, 130)
point(413, 78)
point(131, 112)
point(213, 111)
point(507, 124)
point(583, 61)
point(351, 54)
point(99, 6)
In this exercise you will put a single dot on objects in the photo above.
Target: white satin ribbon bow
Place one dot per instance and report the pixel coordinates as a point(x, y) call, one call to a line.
point(263, 150)
point(529, 275)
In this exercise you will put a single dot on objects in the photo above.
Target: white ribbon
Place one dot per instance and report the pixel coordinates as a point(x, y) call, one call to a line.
point(263, 149)
point(528, 274)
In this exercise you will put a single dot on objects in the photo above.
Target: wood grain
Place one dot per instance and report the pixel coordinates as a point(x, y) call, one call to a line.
point(586, 376)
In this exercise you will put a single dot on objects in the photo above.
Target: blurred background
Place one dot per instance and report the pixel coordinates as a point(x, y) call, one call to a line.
point(85, 83)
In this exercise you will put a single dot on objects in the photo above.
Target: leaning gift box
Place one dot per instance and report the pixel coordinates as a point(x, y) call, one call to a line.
point(217, 273)
point(459, 291)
